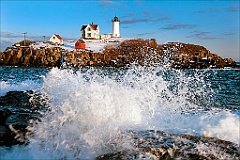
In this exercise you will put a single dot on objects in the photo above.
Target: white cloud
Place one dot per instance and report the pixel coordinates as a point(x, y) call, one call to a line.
point(178, 26)
point(201, 35)
point(106, 2)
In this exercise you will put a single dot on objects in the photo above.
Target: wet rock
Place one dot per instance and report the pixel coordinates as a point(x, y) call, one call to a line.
point(3, 116)
point(3, 131)
point(13, 135)
point(15, 98)
point(17, 108)
point(161, 145)
point(8, 135)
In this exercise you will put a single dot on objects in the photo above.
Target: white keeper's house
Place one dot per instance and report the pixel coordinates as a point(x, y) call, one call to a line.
point(90, 31)
point(57, 39)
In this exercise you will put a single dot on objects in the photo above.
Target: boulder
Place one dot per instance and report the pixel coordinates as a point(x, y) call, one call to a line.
point(3, 116)
point(161, 145)
point(17, 108)
point(229, 62)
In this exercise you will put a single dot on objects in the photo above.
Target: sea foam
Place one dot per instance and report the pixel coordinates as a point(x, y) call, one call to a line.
point(92, 110)
point(18, 86)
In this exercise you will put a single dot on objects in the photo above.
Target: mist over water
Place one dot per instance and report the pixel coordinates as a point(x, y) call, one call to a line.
point(93, 110)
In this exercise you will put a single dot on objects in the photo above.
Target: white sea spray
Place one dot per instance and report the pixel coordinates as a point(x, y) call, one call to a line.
point(19, 86)
point(92, 110)
point(226, 126)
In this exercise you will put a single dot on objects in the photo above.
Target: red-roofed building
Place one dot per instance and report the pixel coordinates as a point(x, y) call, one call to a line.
point(80, 44)
point(90, 31)
point(56, 39)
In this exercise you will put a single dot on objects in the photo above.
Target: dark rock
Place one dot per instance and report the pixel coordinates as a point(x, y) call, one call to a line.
point(15, 98)
point(3, 116)
point(13, 135)
point(3, 131)
point(8, 135)
point(17, 108)
point(162, 145)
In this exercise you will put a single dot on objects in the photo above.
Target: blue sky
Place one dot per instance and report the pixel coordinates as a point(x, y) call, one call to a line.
point(212, 24)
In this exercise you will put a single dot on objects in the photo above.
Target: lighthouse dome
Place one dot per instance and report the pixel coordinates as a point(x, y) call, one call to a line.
point(115, 19)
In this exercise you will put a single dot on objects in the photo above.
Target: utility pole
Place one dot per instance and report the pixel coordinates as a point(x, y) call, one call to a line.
point(24, 36)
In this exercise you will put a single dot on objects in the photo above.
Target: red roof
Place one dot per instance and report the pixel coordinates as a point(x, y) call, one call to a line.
point(93, 26)
point(80, 44)
point(59, 37)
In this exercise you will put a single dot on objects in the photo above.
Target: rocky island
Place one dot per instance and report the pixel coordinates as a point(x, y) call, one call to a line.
point(116, 54)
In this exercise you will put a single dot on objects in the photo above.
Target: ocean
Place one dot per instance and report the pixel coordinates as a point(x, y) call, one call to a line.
point(94, 111)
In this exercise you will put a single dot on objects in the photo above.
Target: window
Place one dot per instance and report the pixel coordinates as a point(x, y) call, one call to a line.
point(89, 29)
point(53, 37)
point(89, 34)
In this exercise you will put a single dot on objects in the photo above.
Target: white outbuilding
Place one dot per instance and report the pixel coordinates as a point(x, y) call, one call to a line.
point(57, 39)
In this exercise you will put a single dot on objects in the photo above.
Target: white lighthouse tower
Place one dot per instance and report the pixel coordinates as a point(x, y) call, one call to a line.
point(115, 27)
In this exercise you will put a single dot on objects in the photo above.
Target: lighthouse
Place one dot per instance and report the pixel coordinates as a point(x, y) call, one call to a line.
point(115, 27)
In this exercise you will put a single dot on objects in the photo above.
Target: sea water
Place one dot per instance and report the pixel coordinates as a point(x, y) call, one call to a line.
point(92, 109)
